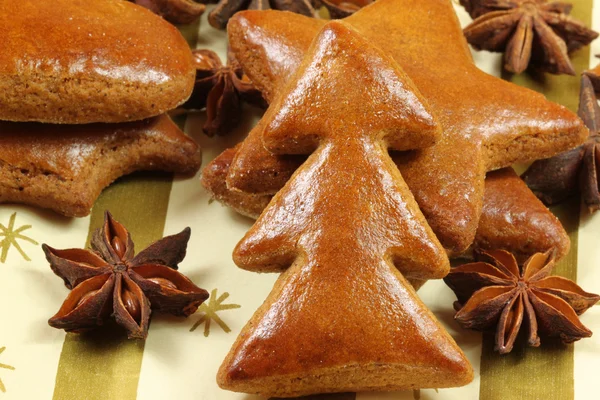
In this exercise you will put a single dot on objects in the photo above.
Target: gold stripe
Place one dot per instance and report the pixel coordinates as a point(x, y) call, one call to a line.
point(545, 372)
point(105, 365)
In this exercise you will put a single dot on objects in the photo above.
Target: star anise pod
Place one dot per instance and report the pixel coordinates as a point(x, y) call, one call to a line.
point(221, 89)
point(533, 32)
point(225, 9)
point(344, 8)
point(109, 279)
point(177, 12)
point(557, 178)
point(495, 292)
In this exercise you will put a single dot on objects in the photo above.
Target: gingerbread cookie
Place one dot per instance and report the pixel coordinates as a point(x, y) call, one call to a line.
point(213, 180)
point(515, 220)
point(346, 231)
point(65, 167)
point(76, 61)
point(487, 123)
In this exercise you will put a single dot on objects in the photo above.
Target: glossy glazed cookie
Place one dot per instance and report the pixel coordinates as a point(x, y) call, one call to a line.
point(76, 61)
point(65, 167)
point(213, 180)
point(487, 123)
point(347, 233)
point(515, 220)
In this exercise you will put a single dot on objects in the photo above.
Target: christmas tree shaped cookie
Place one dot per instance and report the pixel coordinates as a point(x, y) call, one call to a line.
point(347, 233)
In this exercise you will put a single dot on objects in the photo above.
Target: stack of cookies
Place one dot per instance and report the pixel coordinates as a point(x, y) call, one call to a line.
point(383, 153)
point(84, 88)
point(355, 228)
point(467, 208)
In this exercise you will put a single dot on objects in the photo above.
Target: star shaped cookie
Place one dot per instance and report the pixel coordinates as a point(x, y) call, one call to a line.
point(65, 167)
point(487, 123)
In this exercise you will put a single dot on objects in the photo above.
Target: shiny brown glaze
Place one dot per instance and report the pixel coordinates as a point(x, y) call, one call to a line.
point(342, 317)
point(77, 61)
point(487, 123)
point(213, 180)
point(350, 159)
point(513, 219)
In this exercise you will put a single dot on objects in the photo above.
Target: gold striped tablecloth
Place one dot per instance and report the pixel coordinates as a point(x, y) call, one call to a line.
point(180, 358)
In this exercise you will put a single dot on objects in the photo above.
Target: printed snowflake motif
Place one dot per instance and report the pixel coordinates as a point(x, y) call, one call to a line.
point(210, 309)
point(11, 236)
point(4, 366)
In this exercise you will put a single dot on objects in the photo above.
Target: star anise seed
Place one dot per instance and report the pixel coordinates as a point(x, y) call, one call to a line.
point(494, 293)
point(177, 12)
point(109, 279)
point(528, 31)
point(225, 9)
point(557, 178)
point(220, 89)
